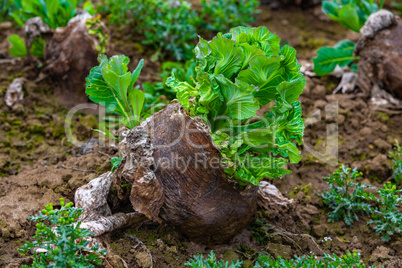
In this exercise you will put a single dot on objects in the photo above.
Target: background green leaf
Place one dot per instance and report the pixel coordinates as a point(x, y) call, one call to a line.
point(329, 57)
point(18, 48)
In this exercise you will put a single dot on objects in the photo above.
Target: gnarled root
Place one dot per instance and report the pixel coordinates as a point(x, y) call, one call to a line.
point(97, 216)
point(269, 198)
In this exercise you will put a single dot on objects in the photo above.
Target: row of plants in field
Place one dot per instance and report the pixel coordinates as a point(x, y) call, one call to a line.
point(60, 242)
point(265, 261)
point(20, 48)
point(170, 27)
point(348, 198)
point(54, 13)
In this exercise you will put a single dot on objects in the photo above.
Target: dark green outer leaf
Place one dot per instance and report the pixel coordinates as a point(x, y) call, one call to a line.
point(97, 89)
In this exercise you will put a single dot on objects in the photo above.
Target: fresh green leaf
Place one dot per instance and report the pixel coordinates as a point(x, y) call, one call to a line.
point(115, 74)
point(97, 89)
point(135, 74)
point(328, 58)
point(229, 59)
point(349, 18)
point(115, 162)
point(266, 74)
point(18, 48)
point(351, 14)
point(240, 103)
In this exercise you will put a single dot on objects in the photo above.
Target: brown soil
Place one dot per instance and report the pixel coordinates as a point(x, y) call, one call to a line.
point(38, 165)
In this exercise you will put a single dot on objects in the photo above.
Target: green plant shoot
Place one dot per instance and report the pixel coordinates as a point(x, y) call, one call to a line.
point(18, 48)
point(115, 161)
point(112, 85)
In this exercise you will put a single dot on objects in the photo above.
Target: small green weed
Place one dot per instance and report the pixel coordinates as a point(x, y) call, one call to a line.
point(327, 261)
point(63, 241)
point(387, 218)
point(345, 197)
point(211, 262)
point(396, 157)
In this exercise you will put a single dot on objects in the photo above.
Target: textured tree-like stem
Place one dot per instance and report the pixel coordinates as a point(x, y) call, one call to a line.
point(176, 177)
point(196, 198)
